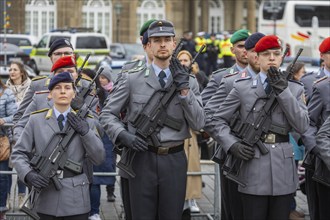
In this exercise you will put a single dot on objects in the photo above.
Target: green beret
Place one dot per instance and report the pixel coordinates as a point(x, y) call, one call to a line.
point(239, 36)
point(145, 26)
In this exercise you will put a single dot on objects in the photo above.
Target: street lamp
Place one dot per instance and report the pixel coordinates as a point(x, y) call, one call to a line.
point(118, 8)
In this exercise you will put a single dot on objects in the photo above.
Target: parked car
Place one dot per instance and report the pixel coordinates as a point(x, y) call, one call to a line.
point(126, 52)
point(83, 43)
point(11, 52)
point(23, 41)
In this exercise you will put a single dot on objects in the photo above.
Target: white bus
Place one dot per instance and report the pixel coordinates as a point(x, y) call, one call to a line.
point(299, 24)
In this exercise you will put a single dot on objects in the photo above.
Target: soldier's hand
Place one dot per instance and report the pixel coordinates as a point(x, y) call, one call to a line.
point(241, 151)
point(79, 124)
point(180, 74)
point(277, 80)
point(77, 103)
point(132, 141)
point(315, 151)
point(36, 180)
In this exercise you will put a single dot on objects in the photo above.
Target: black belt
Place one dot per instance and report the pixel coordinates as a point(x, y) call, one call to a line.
point(165, 150)
point(66, 174)
point(275, 138)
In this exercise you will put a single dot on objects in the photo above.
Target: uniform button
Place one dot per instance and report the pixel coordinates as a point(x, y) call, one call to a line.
point(273, 146)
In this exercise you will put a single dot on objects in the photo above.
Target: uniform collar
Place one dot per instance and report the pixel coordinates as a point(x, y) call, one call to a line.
point(157, 70)
point(57, 113)
point(326, 72)
point(263, 77)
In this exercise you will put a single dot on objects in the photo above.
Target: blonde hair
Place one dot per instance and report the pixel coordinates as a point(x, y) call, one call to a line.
point(185, 52)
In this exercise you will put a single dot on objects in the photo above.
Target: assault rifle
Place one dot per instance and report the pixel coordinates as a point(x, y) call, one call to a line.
point(81, 68)
point(253, 134)
point(151, 119)
point(53, 158)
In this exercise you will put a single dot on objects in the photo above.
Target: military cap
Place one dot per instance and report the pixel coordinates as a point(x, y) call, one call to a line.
point(58, 78)
point(239, 36)
point(268, 42)
point(251, 41)
point(66, 61)
point(161, 28)
point(325, 45)
point(59, 43)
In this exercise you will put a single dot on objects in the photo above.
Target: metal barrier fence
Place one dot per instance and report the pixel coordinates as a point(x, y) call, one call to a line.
point(15, 214)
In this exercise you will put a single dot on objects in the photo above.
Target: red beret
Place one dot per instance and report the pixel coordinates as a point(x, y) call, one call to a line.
point(66, 61)
point(325, 45)
point(268, 42)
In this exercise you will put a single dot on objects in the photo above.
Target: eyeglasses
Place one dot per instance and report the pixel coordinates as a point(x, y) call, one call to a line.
point(62, 53)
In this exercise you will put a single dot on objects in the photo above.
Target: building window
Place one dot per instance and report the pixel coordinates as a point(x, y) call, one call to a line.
point(97, 14)
point(216, 20)
point(147, 10)
point(40, 16)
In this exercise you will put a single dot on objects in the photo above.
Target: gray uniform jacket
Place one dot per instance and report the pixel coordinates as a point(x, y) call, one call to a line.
point(318, 110)
point(40, 101)
point(214, 83)
point(214, 103)
point(323, 142)
point(133, 93)
point(275, 172)
point(73, 198)
point(308, 80)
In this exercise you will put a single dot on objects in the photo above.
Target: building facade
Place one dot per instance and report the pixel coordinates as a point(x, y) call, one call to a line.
point(121, 20)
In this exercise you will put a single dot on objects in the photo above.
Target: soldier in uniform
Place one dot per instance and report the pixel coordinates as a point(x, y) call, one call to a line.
point(230, 199)
point(158, 189)
point(72, 200)
point(318, 109)
point(60, 47)
point(270, 178)
point(41, 100)
point(239, 50)
point(322, 142)
point(309, 78)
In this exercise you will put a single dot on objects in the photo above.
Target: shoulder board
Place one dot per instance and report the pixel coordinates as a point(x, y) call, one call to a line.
point(192, 75)
point(232, 74)
point(136, 69)
point(295, 81)
point(90, 116)
point(39, 111)
point(321, 79)
point(38, 78)
point(241, 79)
point(86, 78)
point(220, 70)
point(42, 92)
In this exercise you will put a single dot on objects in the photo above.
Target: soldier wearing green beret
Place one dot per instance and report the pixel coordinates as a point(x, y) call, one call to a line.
point(238, 40)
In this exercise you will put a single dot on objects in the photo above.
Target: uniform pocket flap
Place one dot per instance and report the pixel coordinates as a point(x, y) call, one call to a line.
point(80, 180)
point(141, 99)
point(288, 152)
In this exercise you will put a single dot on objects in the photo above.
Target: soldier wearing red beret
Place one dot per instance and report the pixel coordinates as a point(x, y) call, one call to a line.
point(317, 180)
point(269, 176)
point(309, 78)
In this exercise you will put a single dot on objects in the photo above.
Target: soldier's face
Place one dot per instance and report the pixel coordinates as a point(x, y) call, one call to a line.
point(240, 52)
point(253, 60)
point(62, 94)
point(161, 47)
point(64, 51)
point(326, 58)
point(268, 58)
point(71, 70)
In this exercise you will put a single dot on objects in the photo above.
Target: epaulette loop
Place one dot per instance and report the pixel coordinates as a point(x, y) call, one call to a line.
point(320, 79)
point(295, 81)
point(232, 74)
point(38, 78)
point(244, 78)
point(42, 92)
point(39, 111)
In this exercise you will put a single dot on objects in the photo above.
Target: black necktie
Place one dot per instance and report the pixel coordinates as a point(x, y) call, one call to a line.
point(161, 76)
point(268, 88)
point(60, 120)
